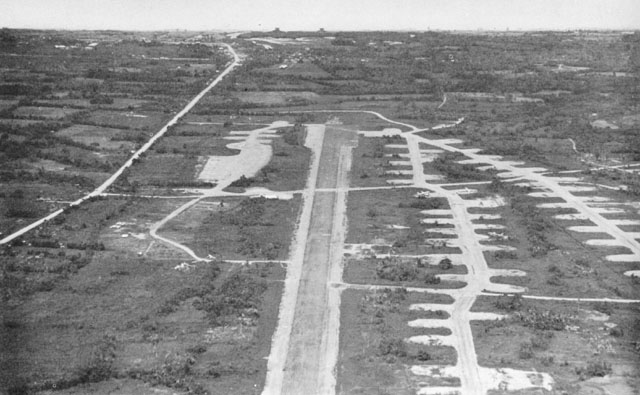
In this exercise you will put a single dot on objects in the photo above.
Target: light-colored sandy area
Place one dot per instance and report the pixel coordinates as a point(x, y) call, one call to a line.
point(541, 194)
point(447, 308)
point(395, 155)
point(482, 316)
point(429, 155)
point(395, 146)
point(580, 188)
point(508, 272)
point(482, 217)
point(399, 182)
point(441, 231)
point(603, 124)
point(585, 229)
point(464, 191)
point(447, 141)
point(486, 247)
point(514, 380)
point(632, 273)
point(624, 222)
point(607, 210)
point(255, 153)
point(399, 172)
point(268, 194)
point(396, 227)
point(400, 163)
point(433, 340)
point(595, 199)
point(624, 258)
point(577, 216)
point(381, 133)
point(438, 221)
point(438, 371)
point(488, 202)
point(554, 205)
point(433, 259)
point(429, 323)
point(488, 226)
point(437, 212)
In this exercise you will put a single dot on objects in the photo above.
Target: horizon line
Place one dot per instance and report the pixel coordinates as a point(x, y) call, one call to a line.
point(400, 30)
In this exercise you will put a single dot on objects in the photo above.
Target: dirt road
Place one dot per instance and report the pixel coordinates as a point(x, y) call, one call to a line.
point(311, 353)
point(102, 188)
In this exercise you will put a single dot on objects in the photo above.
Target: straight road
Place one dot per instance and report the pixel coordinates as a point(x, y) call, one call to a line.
point(102, 188)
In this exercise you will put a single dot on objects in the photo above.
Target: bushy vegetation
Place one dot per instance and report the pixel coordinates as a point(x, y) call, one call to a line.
point(235, 301)
point(392, 347)
point(542, 320)
point(598, 368)
point(535, 223)
point(400, 270)
point(425, 204)
point(447, 164)
point(509, 302)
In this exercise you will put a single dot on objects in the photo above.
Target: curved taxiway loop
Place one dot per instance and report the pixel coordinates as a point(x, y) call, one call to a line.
point(254, 154)
point(102, 188)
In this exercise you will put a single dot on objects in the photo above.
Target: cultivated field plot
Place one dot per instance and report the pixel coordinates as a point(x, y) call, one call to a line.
point(107, 139)
point(42, 112)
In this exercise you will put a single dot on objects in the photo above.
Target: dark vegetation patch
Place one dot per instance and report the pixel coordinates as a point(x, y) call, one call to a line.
point(255, 228)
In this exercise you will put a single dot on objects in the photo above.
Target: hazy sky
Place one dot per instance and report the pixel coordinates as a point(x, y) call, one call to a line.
point(313, 14)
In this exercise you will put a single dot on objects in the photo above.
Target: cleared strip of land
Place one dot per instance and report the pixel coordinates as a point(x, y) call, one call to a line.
point(311, 352)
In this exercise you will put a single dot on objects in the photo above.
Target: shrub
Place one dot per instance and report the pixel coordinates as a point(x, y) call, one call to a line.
point(509, 302)
point(525, 351)
point(541, 340)
point(602, 307)
point(395, 347)
point(239, 295)
point(101, 99)
point(616, 331)
point(594, 369)
point(542, 320)
point(555, 279)
point(396, 270)
point(431, 279)
point(425, 204)
point(385, 300)
point(100, 366)
point(445, 264)
point(423, 356)
point(502, 254)
point(242, 182)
